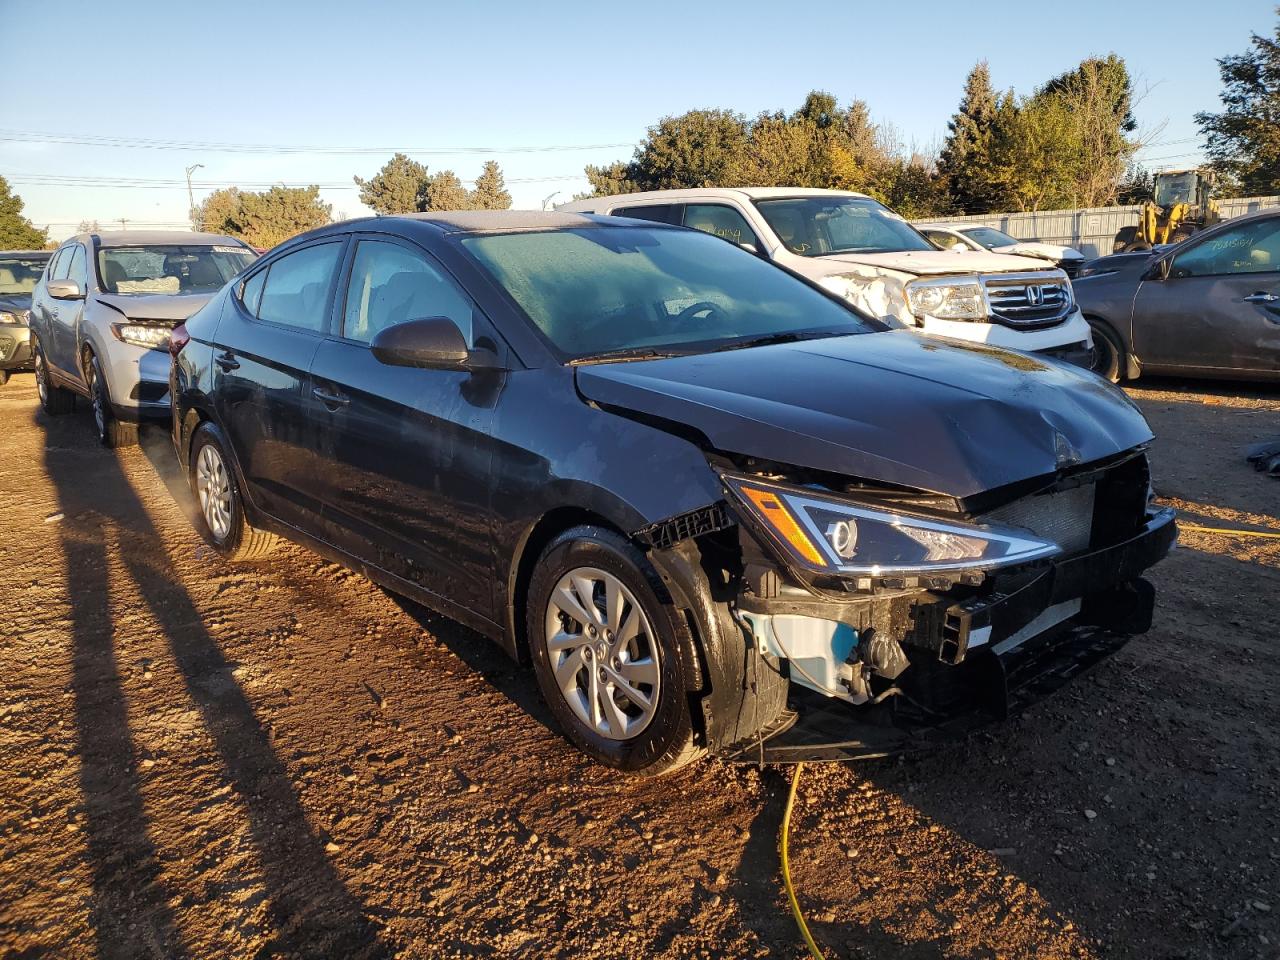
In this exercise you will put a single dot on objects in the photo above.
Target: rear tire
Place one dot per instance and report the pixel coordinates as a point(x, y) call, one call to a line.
point(615, 683)
point(219, 508)
point(1109, 358)
point(4, 377)
point(55, 401)
point(112, 432)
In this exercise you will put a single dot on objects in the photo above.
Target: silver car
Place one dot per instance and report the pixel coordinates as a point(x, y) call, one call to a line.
point(102, 312)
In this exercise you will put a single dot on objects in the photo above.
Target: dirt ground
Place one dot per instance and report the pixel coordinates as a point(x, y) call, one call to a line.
point(198, 760)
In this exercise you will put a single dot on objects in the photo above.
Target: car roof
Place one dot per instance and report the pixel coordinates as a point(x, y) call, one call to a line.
point(26, 253)
point(159, 238)
point(722, 193)
point(949, 227)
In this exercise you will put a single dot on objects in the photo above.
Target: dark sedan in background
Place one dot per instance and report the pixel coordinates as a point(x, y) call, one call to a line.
point(702, 495)
point(19, 271)
point(1206, 307)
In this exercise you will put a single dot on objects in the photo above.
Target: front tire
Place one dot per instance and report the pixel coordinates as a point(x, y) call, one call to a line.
point(1108, 359)
point(220, 509)
point(112, 432)
point(55, 401)
point(605, 640)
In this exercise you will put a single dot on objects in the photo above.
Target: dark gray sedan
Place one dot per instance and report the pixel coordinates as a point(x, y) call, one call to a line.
point(1207, 307)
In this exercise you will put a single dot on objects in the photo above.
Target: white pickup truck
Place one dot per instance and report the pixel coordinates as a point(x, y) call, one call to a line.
point(866, 253)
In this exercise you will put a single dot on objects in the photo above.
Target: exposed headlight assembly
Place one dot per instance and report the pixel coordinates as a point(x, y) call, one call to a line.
point(151, 335)
point(830, 535)
point(948, 298)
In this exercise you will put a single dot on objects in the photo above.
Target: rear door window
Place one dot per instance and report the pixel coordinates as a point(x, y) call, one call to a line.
point(296, 291)
point(655, 212)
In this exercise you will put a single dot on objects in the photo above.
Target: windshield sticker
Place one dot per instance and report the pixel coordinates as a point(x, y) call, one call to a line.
point(240, 250)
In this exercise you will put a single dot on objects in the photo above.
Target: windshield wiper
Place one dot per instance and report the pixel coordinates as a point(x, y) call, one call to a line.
point(625, 356)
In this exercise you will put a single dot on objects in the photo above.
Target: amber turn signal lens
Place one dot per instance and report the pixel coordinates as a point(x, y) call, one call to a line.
point(772, 511)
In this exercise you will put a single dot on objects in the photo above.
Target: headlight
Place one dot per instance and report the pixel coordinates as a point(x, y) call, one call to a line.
point(7, 317)
point(948, 298)
point(827, 534)
point(153, 336)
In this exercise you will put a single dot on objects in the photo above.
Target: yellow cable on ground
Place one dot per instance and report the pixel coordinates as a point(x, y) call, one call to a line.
point(786, 868)
point(1229, 532)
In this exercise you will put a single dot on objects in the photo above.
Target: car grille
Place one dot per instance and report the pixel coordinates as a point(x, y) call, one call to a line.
point(1064, 517)
point(1029, 300)
point(1106, 508)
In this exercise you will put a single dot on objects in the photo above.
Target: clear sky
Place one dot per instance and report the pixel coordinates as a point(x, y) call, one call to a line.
point(522, 79)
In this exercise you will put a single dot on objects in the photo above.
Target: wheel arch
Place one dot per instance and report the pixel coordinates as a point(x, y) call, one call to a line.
point(1129, 365)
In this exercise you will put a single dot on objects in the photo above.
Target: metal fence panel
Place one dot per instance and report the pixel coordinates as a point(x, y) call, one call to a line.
point(1091, 230)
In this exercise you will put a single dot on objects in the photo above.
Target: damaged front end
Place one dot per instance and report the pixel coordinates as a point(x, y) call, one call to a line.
point(900, 617)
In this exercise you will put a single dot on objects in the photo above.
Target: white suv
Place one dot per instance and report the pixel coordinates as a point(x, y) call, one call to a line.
point(860, 249)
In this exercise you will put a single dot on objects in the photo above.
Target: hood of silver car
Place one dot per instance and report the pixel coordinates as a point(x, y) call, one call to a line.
point(156, 306)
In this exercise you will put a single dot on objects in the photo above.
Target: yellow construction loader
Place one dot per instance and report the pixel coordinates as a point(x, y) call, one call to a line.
point(1181, 203)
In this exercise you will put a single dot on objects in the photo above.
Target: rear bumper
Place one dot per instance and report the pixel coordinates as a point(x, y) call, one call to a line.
point(991, 658)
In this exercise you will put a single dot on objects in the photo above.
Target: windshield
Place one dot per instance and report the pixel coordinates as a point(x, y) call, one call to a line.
point(601, 291)
point(19, 274)
point(170, 269)
point(817, 226)
point(989, 237)
point(1175, 188)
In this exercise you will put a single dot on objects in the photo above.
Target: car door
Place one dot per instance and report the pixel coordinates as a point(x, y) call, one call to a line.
point(405, 452)
point(1218, 307)
point(71, 315)
point(266, 338)
point(57, 340)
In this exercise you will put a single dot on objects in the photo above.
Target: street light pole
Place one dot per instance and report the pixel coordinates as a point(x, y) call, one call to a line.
point(550, 197)
point(191, 197)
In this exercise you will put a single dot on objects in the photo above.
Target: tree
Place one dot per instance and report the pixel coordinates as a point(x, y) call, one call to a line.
point(16, 231)
point(88, 226)
point(446, 192)
point(490, 192)
point(1243, 141)
point(966, 161)
point(399, 187)
point(263, 219)
point(607, 181)
point(1097, 98)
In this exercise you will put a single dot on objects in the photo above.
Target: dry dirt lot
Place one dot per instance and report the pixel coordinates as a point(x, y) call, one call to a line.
point(205, 761)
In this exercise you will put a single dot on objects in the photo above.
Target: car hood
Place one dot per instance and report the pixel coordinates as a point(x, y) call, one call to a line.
point(948, 417)
point(925, 262)
point(1034, 248)
point(156, 306)
point(15, 301)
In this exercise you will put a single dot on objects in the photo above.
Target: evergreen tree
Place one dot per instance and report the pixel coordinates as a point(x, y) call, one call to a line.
point(490, 191)
point(263, 219)
point(965, 161)
point(399, 187)
point(16, 231)
point(445, 192)
point(1243, 140)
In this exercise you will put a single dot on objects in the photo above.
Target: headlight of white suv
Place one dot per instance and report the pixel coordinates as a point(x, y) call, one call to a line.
point(948, 298)
point(832, 535)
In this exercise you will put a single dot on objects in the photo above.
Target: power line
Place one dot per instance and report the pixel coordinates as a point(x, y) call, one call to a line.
point(88, 140)
point(139, 183)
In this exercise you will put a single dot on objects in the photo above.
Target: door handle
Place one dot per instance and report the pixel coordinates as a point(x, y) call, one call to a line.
point(330, 399)
point(1260, 297)
point(227, 361)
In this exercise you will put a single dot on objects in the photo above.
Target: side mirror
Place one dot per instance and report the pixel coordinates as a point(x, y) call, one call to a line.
point(1158, 270)
point(430, 342)
point(65, 290)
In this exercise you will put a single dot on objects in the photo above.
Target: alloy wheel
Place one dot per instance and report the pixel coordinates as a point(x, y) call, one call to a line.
point(213, 488)
point(603, 653)
point(42, 381)
point(96, 398)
